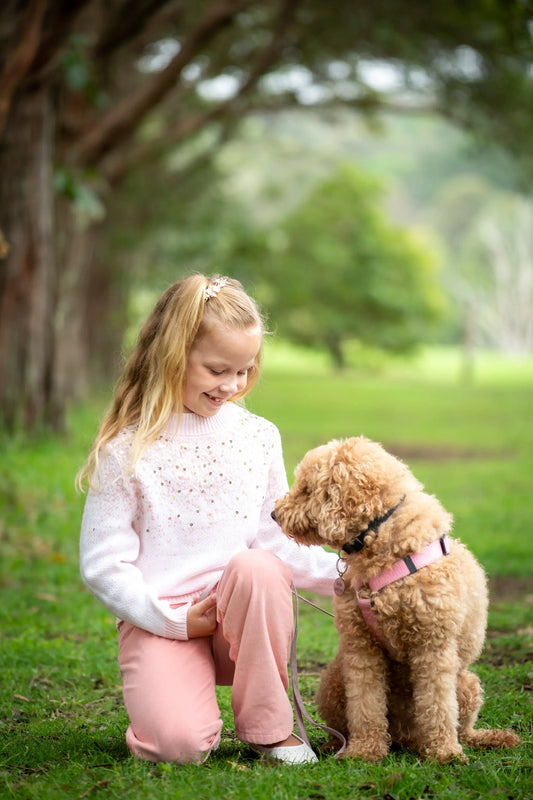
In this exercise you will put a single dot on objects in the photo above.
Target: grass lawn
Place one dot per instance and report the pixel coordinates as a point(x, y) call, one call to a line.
point(61, 716)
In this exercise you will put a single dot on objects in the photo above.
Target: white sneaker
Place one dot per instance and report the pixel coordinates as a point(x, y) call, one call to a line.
point(298, 754)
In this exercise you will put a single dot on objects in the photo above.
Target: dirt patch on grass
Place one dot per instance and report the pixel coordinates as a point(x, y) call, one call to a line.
point(508, 589)
point(509, 647)
point(438, 452)
point(499, 652)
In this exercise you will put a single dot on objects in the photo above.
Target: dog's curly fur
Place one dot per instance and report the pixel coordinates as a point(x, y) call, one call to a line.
point(435, 619)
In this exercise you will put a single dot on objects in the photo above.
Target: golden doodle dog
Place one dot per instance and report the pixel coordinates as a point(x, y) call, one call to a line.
point(410, 607)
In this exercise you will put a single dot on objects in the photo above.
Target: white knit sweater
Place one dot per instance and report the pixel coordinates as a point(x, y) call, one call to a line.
point(202, 492)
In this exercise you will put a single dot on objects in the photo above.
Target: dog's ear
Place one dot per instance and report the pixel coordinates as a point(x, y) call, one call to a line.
point(355, 487)
point(344, 504)
point(333, 518)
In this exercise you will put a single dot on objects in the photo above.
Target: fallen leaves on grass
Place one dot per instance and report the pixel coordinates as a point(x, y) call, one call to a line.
point(236, 765)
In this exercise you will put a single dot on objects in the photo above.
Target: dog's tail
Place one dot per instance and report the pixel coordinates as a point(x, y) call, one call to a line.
point(486, 737)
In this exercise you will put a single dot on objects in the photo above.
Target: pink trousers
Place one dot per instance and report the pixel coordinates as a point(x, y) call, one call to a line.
point(169, 685)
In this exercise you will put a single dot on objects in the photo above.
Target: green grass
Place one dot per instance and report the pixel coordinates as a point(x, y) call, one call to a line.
point(61, 715)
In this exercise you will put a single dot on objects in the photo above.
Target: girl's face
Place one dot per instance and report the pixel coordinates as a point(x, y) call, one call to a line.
point(217, 368)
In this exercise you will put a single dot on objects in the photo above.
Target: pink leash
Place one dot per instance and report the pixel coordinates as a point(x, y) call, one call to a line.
point(300, 710)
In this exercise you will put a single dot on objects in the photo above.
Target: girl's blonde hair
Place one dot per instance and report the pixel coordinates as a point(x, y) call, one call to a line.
point(151, 386)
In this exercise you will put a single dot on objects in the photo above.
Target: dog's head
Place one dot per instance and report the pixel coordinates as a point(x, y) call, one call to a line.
point(340, 488)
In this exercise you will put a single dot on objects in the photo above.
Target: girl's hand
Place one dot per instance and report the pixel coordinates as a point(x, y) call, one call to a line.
point(202, 618)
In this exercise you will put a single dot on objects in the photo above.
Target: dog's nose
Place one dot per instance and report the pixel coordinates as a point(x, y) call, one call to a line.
point(273, 515)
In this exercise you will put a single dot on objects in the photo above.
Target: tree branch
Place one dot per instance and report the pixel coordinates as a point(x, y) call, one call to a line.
point(118, 163)
point(272, 52)
point(116, 167)
point(22, 58)
point(128, 21)
point(118, 124)
point(59, 22)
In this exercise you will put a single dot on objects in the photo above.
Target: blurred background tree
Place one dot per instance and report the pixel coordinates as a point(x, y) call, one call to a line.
point(336, 269)
point(124, 113)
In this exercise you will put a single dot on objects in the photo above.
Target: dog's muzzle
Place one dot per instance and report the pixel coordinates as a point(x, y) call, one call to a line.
point(273, 515)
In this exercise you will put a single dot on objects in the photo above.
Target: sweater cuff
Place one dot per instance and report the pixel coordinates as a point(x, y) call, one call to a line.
point(176, 628)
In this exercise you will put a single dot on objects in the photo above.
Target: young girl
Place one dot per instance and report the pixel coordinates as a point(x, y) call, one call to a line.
point(177, 538)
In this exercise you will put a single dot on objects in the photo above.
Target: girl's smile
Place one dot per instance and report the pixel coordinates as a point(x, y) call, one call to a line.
point(217, 368)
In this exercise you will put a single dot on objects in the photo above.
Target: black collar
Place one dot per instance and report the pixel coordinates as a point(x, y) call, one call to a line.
point(358, 542)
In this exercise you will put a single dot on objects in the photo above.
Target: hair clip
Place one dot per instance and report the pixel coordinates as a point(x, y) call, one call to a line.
point(214, 287)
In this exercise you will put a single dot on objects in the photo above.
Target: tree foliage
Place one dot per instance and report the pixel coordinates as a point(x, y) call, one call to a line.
point(92, 89)
point(342, 271)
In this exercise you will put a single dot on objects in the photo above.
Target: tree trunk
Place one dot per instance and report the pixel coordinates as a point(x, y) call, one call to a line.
point(71, 344)
point(91, 313)
point(334, 346)
point(28, 274)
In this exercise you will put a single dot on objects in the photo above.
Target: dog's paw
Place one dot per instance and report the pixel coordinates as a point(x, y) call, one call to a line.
point(330, 747)
point(367, 750)
point(445, 755)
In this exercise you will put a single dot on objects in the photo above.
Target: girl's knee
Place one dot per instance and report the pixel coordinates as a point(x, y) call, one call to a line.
point(189, 746)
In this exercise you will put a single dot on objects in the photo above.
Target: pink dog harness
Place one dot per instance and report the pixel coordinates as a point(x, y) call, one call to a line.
point(401, 569)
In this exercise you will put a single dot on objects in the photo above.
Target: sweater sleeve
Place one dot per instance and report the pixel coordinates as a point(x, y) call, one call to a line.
point(313, 568)
point(109, 546)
